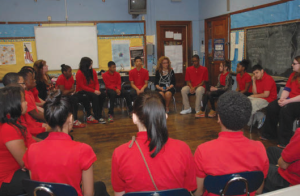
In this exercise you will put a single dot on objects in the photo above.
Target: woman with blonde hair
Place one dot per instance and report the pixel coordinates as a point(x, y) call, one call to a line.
point(165, 80)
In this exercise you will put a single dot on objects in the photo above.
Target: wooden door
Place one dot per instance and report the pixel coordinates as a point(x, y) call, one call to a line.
point(164, 41)
point(216, 30)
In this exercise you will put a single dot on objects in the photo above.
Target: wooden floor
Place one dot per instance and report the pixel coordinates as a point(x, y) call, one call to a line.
point(104, 138)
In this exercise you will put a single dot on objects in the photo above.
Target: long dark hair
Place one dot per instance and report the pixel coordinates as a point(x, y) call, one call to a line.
point(57, 109)
point(84, 67)
point(11, 109)
point(38, 67)
point(150, 109)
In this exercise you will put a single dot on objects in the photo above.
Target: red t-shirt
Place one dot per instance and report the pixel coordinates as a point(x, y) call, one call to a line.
point(63, 163)
point(267, 83)
point(33, 127)
point(293, 86)
point(291, 154)
point(196, 75)
point(67, 83)
point(82, 85)
point(8, 164)
point(139, 77)
point(246, 78)
point(30, 101)
point(223, 78)
point(173, 167)
point(112, 81)
point(35, 94)
point(230, 153)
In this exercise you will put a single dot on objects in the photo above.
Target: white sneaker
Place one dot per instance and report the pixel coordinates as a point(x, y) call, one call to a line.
point(187, 111)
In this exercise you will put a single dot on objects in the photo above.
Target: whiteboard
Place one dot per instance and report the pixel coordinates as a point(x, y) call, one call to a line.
point(66, 45)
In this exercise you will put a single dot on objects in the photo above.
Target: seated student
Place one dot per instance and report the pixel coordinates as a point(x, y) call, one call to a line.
point(284, 168)
point(66, 161)
point(14, 139)
point(231, 152)
point(170, 161)
point(224, 84)
point(66, 84)
point(244, 81)
point(112, 80)
point(29, 80)
point(165, 80)
point(33, 127)
point(195, 77)
point(87, 84)
point(264, 91)
point(43, 82)
point(284, 110)
point(138, 78)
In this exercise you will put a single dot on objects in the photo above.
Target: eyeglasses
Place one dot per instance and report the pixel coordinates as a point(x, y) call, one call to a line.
point(295, 63)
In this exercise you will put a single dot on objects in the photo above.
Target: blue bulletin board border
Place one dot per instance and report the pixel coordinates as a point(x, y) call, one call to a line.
point(235, 61)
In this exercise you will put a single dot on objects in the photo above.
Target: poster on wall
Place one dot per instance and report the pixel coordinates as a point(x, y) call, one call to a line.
point(174, 52)
point(27, 55)
point(7, 54)
point(137, 51)
point(120, 54)
point(219, 53)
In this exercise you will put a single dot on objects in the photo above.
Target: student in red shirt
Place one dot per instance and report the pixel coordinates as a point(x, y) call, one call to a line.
point(244, 81)
point(195, 77)
point(66, 84)
point(284, 168)
point(224, 84)
point(284, 110)
point(138, 78)
point(66, 161)
point(264, 91)
point(14, 139)
point(231, 152)
point(33, 127)
point(112, 80)
point(170, 161)
point(87, 84)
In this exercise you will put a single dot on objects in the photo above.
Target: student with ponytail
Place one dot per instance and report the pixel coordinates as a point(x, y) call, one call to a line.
point(66, 161)
point(170, 161)
point(14, 139)
point(66, 84)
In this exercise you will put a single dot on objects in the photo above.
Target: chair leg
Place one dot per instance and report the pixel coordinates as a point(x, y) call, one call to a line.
point(174, 104)
point(251, 125)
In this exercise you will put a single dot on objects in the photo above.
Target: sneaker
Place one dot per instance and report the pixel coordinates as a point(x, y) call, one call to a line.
point(110, 118)
point(91, 120)
point(261, 122)
point(187, 111)
point(200, 114)
point(212, 114)
point(78, 124)
point(102, 121)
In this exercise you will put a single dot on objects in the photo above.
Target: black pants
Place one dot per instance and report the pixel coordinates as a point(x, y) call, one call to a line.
point(247, 94)
point(80, 98)
point(100, 189)
point(274, 181)
point(112, 95)
point(285, 115)
point(133, 93)
point(210, 96)
point(15, 186)
point(97, 102)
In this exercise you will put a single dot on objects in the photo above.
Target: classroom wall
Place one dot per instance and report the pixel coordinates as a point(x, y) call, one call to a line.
point(212, 8)
point(96, 10)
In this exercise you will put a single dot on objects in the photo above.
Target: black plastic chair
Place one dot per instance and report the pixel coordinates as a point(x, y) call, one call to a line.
point(234, 184)
point(35, 188)
point(171, 192)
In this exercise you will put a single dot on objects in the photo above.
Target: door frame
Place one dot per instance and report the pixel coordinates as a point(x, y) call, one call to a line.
point(227, 40)
point(189, 37)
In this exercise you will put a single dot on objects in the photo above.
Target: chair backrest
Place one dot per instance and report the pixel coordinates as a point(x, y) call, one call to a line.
point(234, 184)
point(35, 188)
point(171, 192)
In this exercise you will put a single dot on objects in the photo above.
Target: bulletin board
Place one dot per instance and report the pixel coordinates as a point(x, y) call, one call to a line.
point(105, 47)
point(19, 51)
